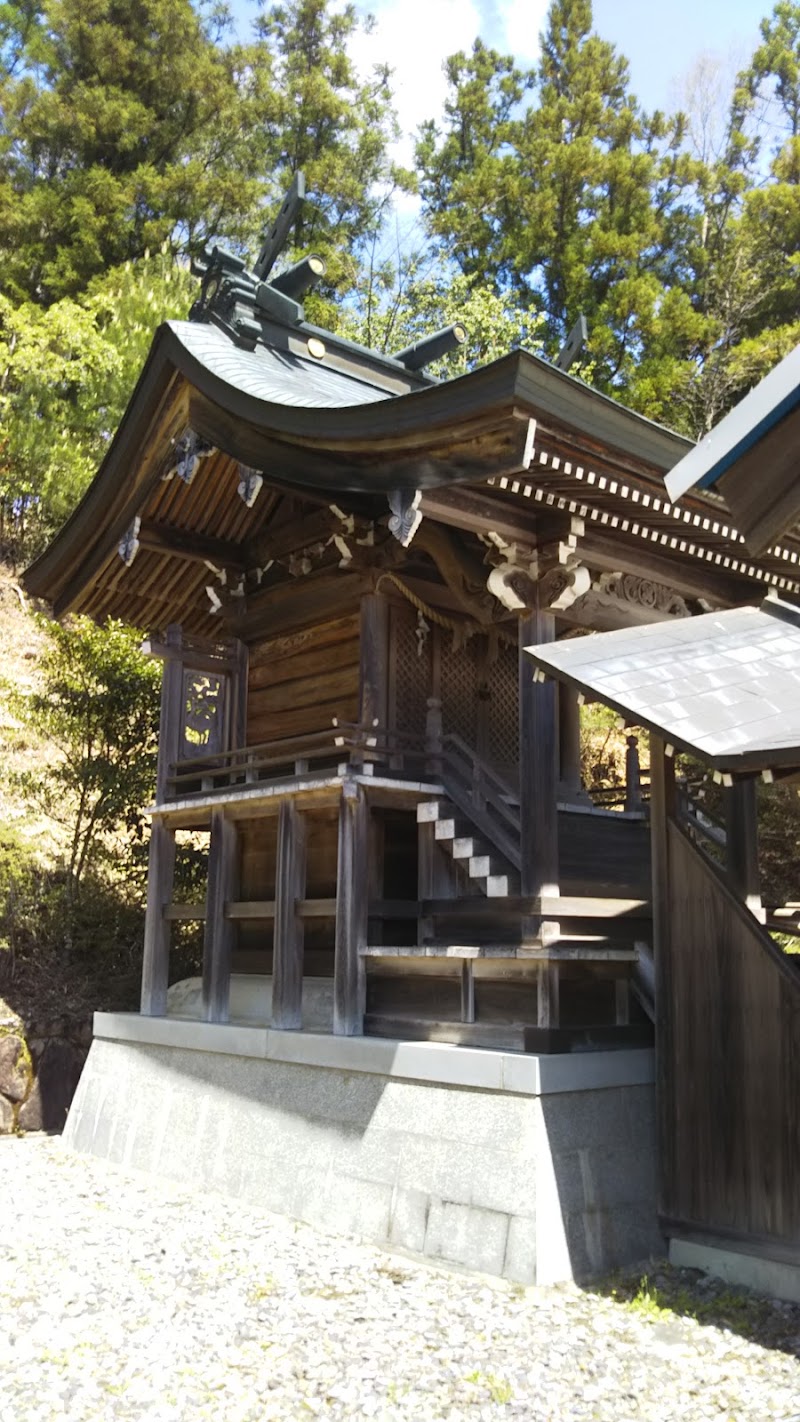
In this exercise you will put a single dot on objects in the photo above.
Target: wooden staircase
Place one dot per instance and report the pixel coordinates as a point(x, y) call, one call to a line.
point(491, 967)
point(485, 868)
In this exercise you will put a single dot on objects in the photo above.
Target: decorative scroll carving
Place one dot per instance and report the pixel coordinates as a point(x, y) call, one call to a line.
point(562, 586)
point(405, 514)
point(642, 592)
point(129, 543)
point(250, 484)
point(186, 456)
point(557, 589)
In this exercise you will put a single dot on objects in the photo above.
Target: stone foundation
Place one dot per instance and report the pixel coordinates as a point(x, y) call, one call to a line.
point(534, 1169)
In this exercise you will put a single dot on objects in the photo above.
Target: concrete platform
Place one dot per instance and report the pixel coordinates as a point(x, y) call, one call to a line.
point(537, 1169)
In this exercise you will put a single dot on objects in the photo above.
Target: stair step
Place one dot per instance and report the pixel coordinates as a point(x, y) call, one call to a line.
point(430, 810)
point(466, 847)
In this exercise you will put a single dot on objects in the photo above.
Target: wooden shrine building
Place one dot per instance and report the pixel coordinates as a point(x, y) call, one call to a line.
point(340, 561)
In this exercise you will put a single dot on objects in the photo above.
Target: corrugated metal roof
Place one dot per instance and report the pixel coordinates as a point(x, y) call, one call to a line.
point(280, 377)
point(725, 685)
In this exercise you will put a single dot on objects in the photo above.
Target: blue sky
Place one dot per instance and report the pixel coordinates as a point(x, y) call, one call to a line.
point(661, 41)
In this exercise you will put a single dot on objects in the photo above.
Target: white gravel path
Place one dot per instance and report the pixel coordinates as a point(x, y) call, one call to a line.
point(122, 1297)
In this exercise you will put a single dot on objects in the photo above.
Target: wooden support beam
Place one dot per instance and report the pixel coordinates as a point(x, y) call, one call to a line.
point(170, 728)
point(290, 885)
point(160, 875)
point(741, 829)
point(538, 764)
point(352, 878)
point(373, 682)
point(237, 691)
point(223, 874)
point(569, 746)
point(193, 547)
point(662, 811)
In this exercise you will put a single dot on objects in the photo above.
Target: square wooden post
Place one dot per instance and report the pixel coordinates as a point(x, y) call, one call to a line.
point(538, 800)
point(223, 876)
point(290, 886)
point(155, 964)
point(352, 880)
point(538, 764)
point(170, 730)
point(741, 830)
point(662, 811)
point(373, 681)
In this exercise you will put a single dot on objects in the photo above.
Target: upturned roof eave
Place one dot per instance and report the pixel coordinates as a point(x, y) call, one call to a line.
point(519, 383)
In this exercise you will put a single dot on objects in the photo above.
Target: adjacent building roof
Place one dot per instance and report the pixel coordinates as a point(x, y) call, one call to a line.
point(724, 686)
point(751, 456)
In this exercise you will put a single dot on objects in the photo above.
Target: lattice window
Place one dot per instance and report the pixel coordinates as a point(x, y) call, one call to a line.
point(503, 738)
point(204, 714)
point(460, 674)
point(412, 666)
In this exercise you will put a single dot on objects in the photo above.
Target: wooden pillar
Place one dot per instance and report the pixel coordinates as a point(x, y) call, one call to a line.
point(548, 995)
point(741, 829)
point(223, 875)
point(155, 964)
point(290, 886)
point(569, 744)
point(238, 698)
point(538, 764)
point(373, 692)
point(170, 730)
point(352, 878)
point(662, 810)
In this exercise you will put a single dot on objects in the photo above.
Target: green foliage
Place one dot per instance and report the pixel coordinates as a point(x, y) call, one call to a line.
point(390, 310)
point(319, 116)
point(125, 124)
point(66, 373)
point(98, 707)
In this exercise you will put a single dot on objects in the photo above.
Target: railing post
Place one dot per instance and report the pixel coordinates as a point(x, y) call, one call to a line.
point(633, 776)
point(741, 847)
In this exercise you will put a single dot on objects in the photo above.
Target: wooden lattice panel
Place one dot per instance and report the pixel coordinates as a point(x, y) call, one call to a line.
point(460, 679)
point(412, 671)
point(503, 738)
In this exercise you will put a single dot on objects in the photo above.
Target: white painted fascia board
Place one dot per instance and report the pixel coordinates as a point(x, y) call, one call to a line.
point(761, 408)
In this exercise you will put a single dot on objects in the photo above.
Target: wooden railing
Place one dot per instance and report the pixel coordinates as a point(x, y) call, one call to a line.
point(483, 796)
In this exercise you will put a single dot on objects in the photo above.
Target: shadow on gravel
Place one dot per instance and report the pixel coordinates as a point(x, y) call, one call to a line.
point(665, 1294)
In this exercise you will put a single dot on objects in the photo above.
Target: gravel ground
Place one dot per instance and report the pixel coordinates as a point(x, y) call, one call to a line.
point(122, 1297)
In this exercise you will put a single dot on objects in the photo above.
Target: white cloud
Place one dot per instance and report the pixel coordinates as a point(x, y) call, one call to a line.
point(415, 37)
point(519, 24)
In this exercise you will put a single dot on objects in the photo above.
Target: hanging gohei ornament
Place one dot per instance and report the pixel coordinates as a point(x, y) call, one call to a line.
point(421, 632)
point(129, 543)
point(250, 484)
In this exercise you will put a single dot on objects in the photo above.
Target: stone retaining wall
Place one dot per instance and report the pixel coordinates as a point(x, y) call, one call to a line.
point(535, 1169)
point(40, 1066)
